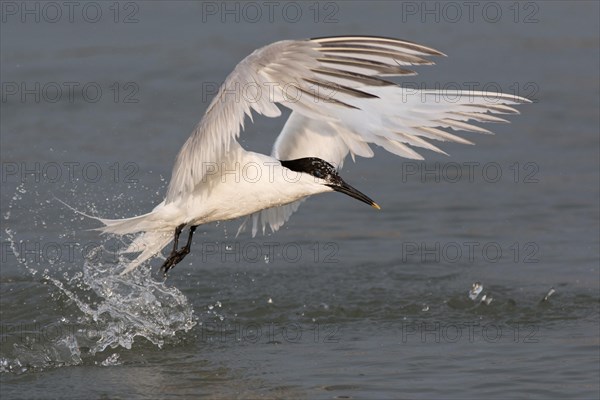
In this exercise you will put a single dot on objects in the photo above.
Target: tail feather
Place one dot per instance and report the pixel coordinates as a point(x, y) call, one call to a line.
point(149, 244)
point(126, 225)
point(155, 231)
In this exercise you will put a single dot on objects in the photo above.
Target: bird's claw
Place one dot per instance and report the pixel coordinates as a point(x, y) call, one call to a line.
point(174, 258)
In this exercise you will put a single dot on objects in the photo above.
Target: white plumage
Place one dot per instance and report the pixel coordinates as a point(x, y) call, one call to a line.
point(340, 105)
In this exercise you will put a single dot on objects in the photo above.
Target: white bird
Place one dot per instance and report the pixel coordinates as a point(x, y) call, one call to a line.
point(340, 105)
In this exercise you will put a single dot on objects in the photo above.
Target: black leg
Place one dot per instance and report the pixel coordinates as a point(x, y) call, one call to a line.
point(177, 256)
point(189, 241)
point(176, 240)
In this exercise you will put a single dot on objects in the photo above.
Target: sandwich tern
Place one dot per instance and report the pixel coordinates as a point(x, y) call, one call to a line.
point(340, 104)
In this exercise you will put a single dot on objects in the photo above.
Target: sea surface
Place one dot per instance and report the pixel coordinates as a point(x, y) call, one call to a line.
point(479, 277)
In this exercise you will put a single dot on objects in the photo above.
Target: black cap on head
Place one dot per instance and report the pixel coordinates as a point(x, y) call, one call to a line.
point(323, 170)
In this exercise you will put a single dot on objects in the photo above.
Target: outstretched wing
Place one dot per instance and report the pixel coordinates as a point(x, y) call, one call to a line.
point(395, 118)
point(318, 79)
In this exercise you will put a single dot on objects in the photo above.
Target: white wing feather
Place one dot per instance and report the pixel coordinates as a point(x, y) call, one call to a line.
point(340, 105)
point(303, 75)
point(274, 217)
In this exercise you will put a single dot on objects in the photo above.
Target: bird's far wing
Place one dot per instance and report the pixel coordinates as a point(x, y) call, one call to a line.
point(274, 217)
point(393, 117)
point(317, 78)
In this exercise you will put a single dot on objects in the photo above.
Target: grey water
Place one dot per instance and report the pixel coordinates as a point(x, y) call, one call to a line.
point(479, 278)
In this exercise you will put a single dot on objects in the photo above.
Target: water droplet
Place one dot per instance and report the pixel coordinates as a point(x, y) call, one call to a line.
point(550, 293)
point(111, 360)
point(486, 299)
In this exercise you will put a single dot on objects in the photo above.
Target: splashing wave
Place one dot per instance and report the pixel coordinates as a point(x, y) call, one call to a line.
point(102, 310)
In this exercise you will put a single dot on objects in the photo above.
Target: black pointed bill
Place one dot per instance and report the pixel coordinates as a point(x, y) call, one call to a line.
point(350, 191)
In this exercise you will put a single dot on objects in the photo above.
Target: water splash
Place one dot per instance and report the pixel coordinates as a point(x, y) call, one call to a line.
point(107, 311)
point(135, 305)
point(111, 360)
point(475, 290)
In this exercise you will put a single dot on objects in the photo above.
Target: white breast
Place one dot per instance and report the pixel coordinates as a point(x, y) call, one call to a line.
point(244, 184)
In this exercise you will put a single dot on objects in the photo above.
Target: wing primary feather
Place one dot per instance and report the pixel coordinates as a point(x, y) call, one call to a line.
point(405, 44)
point(481, 117)
point(438, 134)
point(359, 78)
point(378, 67)
point(417, 141)
point(464, 126)
point(498, 108)
point(407, 58)
point(330, 100)
point(340, 88)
